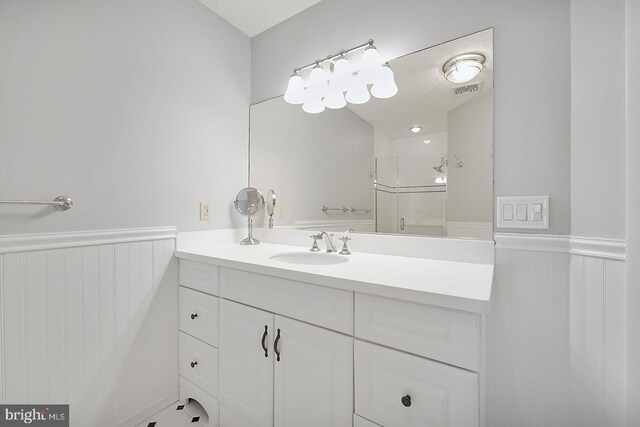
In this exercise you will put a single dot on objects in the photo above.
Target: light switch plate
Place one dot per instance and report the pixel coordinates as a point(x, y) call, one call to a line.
point(523, 212)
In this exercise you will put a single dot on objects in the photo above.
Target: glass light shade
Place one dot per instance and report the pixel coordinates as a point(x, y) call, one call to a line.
point(318, 82)
point(371, 58)
point(463, 71)
point(342, 77)
point(385, 86)
point(295, 93)
point(358, 94)
point(334, 100)
point(370, 75)
point(370, 66)
point(313, 105)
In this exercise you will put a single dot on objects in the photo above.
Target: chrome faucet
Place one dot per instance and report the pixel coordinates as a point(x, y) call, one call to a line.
point(328, 239)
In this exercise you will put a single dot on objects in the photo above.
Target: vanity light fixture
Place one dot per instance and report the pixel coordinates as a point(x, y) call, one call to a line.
point(415, 129)
point(463, 68)
point(343, 83)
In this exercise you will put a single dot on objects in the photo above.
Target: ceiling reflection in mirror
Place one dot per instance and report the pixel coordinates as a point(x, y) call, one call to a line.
point(418, 163)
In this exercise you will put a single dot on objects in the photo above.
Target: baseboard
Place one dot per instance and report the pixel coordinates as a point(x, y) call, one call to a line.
point(150, 410)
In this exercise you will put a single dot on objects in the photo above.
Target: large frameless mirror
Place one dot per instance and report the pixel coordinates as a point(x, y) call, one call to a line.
point(420, 162)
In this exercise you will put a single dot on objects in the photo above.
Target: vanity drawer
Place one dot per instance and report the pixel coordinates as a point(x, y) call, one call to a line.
point(200, 276)
point(450, 336)
point(331, 308)
point(396, 389)
point(199, 315)
point(199, 363)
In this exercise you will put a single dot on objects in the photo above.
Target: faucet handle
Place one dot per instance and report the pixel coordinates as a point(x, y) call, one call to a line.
point(345, 249)
point(315, 247)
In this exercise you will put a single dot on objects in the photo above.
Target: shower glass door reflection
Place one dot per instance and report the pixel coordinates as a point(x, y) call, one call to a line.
point(407, 198)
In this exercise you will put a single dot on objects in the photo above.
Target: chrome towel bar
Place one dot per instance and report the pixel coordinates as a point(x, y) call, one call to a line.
point(61, 203)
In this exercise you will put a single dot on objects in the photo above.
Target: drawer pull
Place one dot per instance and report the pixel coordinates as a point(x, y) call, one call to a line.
point(406, 400)
point(275, 346)
point(264, 346)
point(194, 364)
point(193, 316)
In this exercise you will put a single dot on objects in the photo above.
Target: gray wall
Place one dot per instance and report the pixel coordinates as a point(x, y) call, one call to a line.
point(633, 210)
point(311, 160)
point(532, 98)
point(136, 109)
point(470, 138)
point(598, 118)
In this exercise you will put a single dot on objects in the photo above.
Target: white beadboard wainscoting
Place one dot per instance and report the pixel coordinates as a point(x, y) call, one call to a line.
point(90, 319)
point(555, 345)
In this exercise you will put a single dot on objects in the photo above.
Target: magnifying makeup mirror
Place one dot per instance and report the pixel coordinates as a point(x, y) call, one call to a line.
point(271, 205)
point(249, 202)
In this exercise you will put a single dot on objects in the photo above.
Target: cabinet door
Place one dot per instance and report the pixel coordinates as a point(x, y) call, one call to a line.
point(314, 376)
point(246, 374)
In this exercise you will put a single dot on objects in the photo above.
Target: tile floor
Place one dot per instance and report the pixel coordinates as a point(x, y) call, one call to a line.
point(178, 415)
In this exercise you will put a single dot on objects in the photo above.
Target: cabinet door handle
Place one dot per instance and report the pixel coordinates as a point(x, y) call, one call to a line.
point(193, 316)
point(194, 364)
point(406, 400)
point(264, 345)
point(275, 346)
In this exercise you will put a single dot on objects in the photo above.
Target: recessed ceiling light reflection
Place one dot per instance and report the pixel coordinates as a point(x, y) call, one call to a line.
point(415, 129)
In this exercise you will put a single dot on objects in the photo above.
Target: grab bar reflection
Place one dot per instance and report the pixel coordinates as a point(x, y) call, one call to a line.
point(345, 209)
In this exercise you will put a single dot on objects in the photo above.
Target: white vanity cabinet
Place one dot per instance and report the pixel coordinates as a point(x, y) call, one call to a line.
point(294, 354)
point(279, 371)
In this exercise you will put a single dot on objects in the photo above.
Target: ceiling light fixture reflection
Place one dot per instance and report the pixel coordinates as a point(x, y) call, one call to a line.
point(427, 141)
point(345, 82)
point(415, 129)
point(463, 68)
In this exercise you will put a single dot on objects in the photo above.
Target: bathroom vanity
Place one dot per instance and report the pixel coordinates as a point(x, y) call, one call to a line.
point(275, 335)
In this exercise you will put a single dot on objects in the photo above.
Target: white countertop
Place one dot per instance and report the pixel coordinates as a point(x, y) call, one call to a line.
point(451, 284)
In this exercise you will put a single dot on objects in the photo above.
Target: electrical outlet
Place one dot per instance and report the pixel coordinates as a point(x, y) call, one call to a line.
point(281, 213)
point(204, 211)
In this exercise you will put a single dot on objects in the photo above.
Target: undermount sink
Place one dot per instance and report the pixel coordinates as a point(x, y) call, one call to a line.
point(310, 258)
